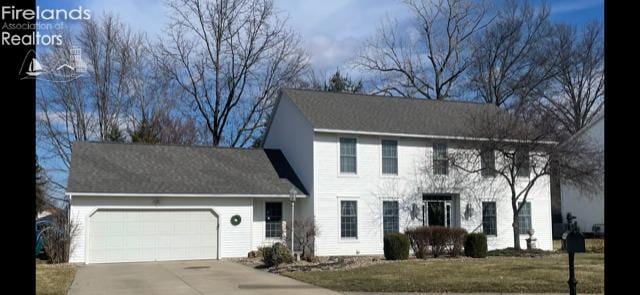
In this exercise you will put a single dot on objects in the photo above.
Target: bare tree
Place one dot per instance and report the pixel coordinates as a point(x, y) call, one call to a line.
point(511, 61)
point(526, 152)
point(429, 61)
point(120, 82)
point(230, 57)
point(579, 84)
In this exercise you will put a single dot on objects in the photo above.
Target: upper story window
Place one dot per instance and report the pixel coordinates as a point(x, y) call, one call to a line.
point(348, 219)
point(522, 163)
point(440, 161)
point(389, 156)
point(273, 219)
point(348, 158)
point(488, 162)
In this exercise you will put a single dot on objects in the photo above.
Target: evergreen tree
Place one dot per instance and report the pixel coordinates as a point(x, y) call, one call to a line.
point(340, 83)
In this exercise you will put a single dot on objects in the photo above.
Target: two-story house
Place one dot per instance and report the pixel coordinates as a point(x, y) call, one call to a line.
point(361, 165)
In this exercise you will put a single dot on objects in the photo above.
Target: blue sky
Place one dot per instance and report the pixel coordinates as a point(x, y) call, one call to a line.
point(332, 30)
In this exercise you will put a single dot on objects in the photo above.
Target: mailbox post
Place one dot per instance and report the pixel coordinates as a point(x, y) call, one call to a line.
point(574, 241)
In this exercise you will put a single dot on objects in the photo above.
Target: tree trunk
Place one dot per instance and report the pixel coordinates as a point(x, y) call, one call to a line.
point(516, 232)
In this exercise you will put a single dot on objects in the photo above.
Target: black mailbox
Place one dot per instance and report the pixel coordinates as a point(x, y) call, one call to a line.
point(574, 242)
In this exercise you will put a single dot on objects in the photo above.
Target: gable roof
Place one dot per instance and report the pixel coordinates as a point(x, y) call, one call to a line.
point(384, 114)
point(118, 168)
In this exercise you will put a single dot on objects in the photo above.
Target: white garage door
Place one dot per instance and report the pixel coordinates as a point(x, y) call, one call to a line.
point(152, 235)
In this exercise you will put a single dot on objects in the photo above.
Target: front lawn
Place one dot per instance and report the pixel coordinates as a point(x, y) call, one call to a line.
point(54, 279)
point(491, 274)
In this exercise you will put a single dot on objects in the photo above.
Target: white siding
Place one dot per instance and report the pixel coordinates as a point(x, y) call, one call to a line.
point(369, 187)
point(235, 241)
point(293, 135)
point(259, 239)
point(588, 207)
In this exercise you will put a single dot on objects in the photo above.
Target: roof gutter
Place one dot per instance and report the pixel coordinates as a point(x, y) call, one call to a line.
point(447, 137)
point(182, 195)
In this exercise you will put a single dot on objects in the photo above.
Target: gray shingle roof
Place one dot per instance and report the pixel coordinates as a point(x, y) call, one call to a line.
point(173, 169)
point(355, 112)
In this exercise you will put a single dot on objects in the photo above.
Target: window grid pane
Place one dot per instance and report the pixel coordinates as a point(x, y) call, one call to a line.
point(348, 219)
point(273, 220)
point(440, 163)
point(488, 161)
point(522, 163)
point(348, 162)
point(389, 157)
point(390, 218)
point(489, 220)
point(524, 218)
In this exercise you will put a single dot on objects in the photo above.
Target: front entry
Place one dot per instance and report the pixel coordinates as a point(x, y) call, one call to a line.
point(436, 210)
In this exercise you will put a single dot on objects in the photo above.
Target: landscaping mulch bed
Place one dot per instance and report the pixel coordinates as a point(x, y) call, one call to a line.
point(318, 263)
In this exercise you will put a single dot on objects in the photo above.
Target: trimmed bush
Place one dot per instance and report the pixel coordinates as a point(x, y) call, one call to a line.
point(396, 246)
point(455, 241)
point(475, 245)
point(276, 255)
point(419, 238)
point(439, 238)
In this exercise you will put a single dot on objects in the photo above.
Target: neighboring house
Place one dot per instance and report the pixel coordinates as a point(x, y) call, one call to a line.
point(354, 160)
point(588, 207)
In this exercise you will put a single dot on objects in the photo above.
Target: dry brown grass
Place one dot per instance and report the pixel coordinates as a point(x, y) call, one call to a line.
point(54, 279)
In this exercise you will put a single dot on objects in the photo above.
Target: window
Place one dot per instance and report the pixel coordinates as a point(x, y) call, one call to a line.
point(522, 163)
point(348, 219)
point(524, 218)
point(273, 220)
point(348, 161)
point(440, 163)
point(390, 219)
point(389, 157)
point(489, 221)
point(488, 161)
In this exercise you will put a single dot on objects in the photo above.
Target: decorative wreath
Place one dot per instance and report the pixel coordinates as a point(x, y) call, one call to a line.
point(235, 219)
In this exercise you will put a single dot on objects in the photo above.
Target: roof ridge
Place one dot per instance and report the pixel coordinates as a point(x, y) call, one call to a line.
point(391, 97)
point(169, 145)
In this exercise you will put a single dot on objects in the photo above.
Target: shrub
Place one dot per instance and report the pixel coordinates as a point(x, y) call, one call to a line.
point(419, 238)
point(396, 246)
point(475, 245)
point(304, 233)
point(58, 238)
point(276, 255)
point(455, 241)
point(439, 238)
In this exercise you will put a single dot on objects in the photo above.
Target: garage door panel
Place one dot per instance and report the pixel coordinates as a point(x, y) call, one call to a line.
point(152, 235)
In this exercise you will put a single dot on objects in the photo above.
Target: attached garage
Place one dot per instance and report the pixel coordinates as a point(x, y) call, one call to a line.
point(139, 202)
point(152, 235)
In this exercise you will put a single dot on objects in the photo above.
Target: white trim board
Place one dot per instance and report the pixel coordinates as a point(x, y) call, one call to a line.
point(180, 195)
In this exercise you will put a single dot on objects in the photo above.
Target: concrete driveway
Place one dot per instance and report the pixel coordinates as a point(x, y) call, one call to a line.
point(184, 277)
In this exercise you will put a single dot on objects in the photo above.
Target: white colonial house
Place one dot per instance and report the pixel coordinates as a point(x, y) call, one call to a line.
point(361, 166)
point(587, 206)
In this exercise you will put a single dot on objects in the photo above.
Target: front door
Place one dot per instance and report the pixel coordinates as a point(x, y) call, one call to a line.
point(437, 211)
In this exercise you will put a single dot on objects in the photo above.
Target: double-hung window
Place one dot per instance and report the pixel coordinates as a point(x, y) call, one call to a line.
point(348, 219)
point(273, 219)
point(440, 162)
point(489, 221)
point(488, 162)
point(389, 156)
point(390, 218)
point(522, 163)
point(348, 158)
point(524, 218)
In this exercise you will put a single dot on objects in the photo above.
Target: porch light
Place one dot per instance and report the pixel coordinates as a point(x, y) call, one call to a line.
point(468, 211)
